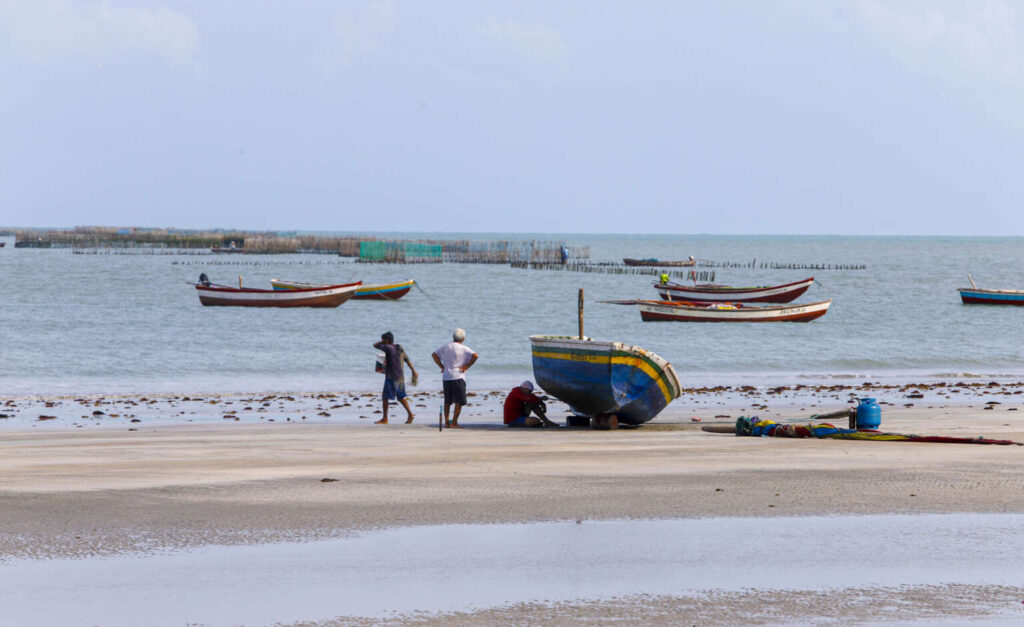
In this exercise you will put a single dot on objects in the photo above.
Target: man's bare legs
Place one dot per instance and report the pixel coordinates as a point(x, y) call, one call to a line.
point(405, 404)
point(454, 422)
point(408, 410)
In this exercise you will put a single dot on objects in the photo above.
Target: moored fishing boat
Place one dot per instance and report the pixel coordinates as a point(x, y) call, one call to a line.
point(975, 296)
point(600, 378)
point(383, 291)
point(711, 292)
point(321, 296)
point(629, 261)
point(658, 310)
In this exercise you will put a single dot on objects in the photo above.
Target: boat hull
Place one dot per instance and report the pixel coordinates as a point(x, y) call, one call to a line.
point(721, 294)
point(327, 296)
point(655, 263)
point(385, 291)
point(656, 311)
point(391, 291)
point(597, 378)
point(991, 297)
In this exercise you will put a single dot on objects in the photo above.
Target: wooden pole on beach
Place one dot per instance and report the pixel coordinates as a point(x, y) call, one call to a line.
point(581, 313)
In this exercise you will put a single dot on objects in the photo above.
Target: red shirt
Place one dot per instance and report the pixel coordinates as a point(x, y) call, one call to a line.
point(514, 404)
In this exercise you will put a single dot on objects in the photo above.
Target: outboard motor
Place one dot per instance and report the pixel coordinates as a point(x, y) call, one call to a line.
point(205, 280)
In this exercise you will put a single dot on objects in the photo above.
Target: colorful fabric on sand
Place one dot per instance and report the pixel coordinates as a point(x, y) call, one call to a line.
point(757, 427)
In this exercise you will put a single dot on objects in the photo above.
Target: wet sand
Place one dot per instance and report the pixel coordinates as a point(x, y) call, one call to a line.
point(948, 605)
point(82, 485)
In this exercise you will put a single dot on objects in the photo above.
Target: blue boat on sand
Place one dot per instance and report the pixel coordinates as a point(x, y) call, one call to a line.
point(599, 378)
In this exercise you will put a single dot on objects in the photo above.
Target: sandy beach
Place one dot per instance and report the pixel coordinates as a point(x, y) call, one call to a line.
point(165, 474)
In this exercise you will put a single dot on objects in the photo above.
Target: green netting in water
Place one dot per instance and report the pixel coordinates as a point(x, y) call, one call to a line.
point(399, 252)
point(422, 251)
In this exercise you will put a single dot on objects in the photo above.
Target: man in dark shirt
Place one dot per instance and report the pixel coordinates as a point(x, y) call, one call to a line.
point(394, 375)
point(518, 405)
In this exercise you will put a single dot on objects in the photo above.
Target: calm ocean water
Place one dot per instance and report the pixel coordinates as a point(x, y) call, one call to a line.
point(129, 323)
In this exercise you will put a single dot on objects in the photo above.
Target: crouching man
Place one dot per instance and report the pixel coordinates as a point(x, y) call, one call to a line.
point(520, 403)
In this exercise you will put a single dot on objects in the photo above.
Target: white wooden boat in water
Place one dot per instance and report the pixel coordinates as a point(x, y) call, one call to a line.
point(322, 296)
point(658, 310)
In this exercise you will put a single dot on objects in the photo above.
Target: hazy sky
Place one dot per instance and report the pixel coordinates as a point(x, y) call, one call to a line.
point(861, 117)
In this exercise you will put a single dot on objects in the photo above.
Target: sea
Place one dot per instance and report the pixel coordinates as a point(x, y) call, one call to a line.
point(80, 324)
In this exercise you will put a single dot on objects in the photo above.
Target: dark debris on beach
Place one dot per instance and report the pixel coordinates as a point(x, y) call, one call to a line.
point(338, 406)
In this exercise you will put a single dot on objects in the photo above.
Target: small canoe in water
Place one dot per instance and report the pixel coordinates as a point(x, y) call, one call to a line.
point(323, 296)
point(384, 291)
point(656, 310)
point(596, 378)
point(975, 296)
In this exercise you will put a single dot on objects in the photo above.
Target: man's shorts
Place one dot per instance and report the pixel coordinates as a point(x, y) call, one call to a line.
point(393, 390)
point(518, 422)
point(454, 391)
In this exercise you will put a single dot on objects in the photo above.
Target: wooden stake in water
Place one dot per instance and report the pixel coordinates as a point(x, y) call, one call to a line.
point(440, 418)
point(239, 281)
point(581, 313)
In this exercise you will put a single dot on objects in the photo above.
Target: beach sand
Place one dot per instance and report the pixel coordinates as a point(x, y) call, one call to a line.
point(80, 485)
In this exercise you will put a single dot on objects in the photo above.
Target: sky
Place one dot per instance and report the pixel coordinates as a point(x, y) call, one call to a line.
point(860, 117)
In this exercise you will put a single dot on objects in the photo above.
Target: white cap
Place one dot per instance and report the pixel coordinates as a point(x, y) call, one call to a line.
point(527, 385)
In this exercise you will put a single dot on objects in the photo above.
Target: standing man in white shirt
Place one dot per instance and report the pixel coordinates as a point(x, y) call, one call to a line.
point(454, 359)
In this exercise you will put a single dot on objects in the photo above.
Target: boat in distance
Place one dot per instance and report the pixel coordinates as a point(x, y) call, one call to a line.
point(601, 378)
point(629, 261)
point(710, 292)
point(322, 296)
point(382, 291)
point(681, 311)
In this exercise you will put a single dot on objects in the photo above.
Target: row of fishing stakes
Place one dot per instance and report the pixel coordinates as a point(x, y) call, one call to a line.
point(611, 268)
point(141, 251)
point(276, 262)
point(775, 265)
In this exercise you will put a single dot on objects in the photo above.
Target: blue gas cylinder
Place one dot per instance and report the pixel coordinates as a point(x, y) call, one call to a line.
point(869, 414)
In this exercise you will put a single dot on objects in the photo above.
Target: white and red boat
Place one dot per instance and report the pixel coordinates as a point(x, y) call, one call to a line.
point(652, 310)
point(321, 296)
point(711, 292)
